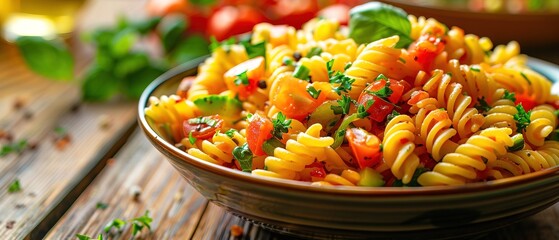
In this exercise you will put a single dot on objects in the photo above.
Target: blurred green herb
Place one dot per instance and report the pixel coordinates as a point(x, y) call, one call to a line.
point(15, 186)
point(48, 58)
point(140, 222)
point(121, 63)
point(85, 237)
point(101, 205)
point(16, 147)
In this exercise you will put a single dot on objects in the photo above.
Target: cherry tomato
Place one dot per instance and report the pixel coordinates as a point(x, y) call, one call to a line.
point(338, 12)
point(164, 7)
point(381, 107)
point(233, 20)
point(292, 98)
point(426, 49)
point(365, 147)
point(294, 12)
point(528, 102)
point(202, 127)
point(258, 131)
point(255, 71)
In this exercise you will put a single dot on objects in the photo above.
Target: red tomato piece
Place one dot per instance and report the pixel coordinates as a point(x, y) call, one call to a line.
point(426, 49)
point(233, 20)
point(365, 147)
point(255, 71)
point(202, 127)
point(381, 107)
point(292, 98)
point(294, 12)
point(528, 102)
point(258, 131)
point(338, 12)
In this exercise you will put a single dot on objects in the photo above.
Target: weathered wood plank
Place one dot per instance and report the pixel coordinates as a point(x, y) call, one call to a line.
point(174, 206)
point(50, 176)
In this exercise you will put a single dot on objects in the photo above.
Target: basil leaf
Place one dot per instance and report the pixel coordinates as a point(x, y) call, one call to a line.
point(255, 50)
point(134, 84)
point(50, 59)
point(99, 84)
point(146, 25)
point(244, 156)
point(193, 47)
point(130, 63)
point(122, 42)
point(171, 29)
point(374, 20)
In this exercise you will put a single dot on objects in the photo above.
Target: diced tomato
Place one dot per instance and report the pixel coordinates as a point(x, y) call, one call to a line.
point(255, 71)
point(528, 102)
point(426, 49)
point(233, 20)
point(427, 161)
point(365, 147)
point(338, 12)
point(293, 12)
point(202, 127)
point(258, 131)
point(292, 98)
point(381, 107)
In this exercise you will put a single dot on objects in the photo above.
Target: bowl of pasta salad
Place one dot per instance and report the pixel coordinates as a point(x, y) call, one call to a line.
point(394, 126)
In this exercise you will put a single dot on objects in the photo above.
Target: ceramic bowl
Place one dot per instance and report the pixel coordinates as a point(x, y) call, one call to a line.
point(298, 209)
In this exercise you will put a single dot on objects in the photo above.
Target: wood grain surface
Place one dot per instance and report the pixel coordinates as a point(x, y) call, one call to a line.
point(108, 162)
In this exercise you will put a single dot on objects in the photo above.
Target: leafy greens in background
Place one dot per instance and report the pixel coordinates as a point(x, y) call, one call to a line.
point(120, 65)
point(374, 20)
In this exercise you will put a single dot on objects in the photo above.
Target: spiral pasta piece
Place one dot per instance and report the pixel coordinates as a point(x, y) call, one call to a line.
point(297, 154)
point(542, 122)
point(348, 177)
point(167, 113)
point(376, 58)
point(275, 35)
point(435, 132)
point(501, 114)
point(398, 148)
point(475, 81)
point(466, 120)
point(460, 167)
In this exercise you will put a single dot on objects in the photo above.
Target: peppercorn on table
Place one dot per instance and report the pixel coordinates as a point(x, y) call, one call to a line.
point(76, 170)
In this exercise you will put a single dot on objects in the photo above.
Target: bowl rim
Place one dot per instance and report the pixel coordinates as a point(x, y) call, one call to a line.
point(300, 186)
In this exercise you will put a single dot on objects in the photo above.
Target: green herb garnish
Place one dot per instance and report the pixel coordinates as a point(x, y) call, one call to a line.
point(140, 222)
point(116, 223)
point(526, 78)
point(510, 96)
point(242, 78)
point(315, 51)
point(313, 92)
point(15, 186)
point(522, 118)
point(281, 125)
point(244, 156)
point(482, 105)
point(191, 139)
point(301, 72)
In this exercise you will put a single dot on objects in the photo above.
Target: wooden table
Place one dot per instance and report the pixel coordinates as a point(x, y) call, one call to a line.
point(109, 170)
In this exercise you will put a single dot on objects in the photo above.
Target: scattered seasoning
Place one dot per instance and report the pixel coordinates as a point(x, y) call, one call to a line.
point(236, 230)
point(104, 121)
point(61, 138)
point(32, 145)
point(75, 107)
point(27, 115)
point(32, 194)
point(297, 56)
point(262, 84)
point(10, 224)
point(20, 206)
point(101, 205)
point(18, 103)
point(14, 147)
point(135, 191)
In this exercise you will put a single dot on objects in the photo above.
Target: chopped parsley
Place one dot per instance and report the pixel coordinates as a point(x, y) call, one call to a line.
point(402, 60)
point(313, 92)
point(475, 69)
point(281, 125)
point(16, 147)
point(116, 223)
point(343, 107)
point(287, 61)
point(340, 133)
point(140, 222)
point(381, 77)
point(384, 92)
point(230, 133)
point(101, 205)
point(244, 156)
point(191, 139)
point(526, 78)
point(302, 72)
point(315, 51)
point(85, 237)
point(510, 96)
point(343, 81)
point(347, 66)
point(226, 44)
point(204, 120)
point(392, 115)
point(413, 182)
point(255, 50)
point(482, 105)
point(522, 118)
point(242, 78)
